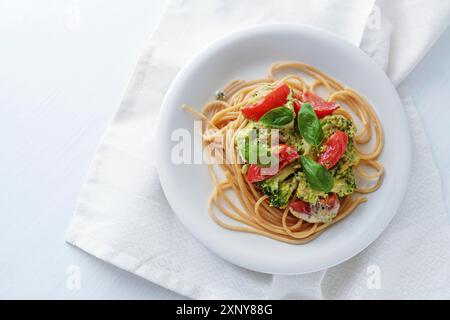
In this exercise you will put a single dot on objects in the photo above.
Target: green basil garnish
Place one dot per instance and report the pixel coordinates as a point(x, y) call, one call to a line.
point(309, 125)
point(318, 177)
point(278, 117)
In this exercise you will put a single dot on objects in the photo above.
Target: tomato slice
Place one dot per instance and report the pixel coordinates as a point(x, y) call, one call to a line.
point(300, 206)
point(329, 203)
point(254, 174)
point(298, 98)
point(285, 154)
point(297, 106)
point(335, 148)
point(321, 107)
point(275, 98)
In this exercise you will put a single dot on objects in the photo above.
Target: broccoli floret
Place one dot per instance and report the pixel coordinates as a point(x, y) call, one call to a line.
point(349, 159)
point(292, 137)
point(252, 142)
point(280, 187)
point(305, 192)
point(330, 124)
point(346, 185)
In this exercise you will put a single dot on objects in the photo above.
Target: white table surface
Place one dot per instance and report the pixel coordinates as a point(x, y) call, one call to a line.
point(64, 66)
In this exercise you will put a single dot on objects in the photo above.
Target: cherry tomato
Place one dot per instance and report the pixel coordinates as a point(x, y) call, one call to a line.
point(300, 206)
point(335, 148)
point(285, 154)
point(321, 107)
point(298, 98)
point(275, 98)
point(330, 202)
point(297, 106)
point(254, 174)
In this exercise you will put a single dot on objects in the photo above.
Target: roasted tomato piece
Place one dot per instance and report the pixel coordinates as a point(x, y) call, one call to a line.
point(275, 98)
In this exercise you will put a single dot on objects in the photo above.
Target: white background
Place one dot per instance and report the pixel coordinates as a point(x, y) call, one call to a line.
point(64, 66)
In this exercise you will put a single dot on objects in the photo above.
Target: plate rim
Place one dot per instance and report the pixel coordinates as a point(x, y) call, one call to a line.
point(247, 31)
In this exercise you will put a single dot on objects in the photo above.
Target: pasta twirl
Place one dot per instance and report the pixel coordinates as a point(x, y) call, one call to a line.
point(253, 212)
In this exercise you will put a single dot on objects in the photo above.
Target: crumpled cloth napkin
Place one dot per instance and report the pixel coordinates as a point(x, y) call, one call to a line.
point(123, 217)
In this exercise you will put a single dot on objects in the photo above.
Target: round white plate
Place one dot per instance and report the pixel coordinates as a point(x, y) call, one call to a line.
point(247, 55)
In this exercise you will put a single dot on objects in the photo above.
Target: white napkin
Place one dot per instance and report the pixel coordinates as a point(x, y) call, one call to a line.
point(123, 218)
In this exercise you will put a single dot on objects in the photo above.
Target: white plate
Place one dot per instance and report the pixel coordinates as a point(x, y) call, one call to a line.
point(247, 55)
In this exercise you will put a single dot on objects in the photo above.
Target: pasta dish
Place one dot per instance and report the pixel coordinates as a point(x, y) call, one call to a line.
point(298, 151)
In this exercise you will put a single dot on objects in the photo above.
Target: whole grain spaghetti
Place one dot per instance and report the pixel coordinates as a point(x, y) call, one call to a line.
point(241, 202)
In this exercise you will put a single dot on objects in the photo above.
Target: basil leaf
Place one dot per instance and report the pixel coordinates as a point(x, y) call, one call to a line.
point(318, 177)
point(309, 125)
point(278, 117)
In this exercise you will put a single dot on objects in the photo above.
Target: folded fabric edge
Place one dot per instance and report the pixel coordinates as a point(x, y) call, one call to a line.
point(131, 264)
point(398, 81)
point(78, 238)
point(75, 236)
point(406, 98)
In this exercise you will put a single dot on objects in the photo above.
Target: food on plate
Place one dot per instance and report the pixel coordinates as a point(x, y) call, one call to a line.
point(301, 151)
